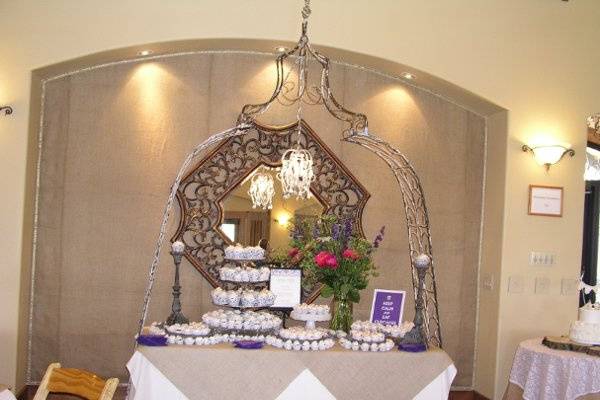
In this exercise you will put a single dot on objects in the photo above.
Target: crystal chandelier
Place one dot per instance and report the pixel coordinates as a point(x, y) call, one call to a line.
point(262, 190)
point(296, 173)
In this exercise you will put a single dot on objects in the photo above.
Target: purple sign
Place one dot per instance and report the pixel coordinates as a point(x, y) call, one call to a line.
point(388, 306)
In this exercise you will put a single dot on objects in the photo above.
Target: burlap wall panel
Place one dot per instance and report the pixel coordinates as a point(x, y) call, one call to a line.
point(114, 138)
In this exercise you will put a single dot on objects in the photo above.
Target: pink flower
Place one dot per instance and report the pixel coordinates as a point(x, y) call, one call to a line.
point(325, 259)
point(351, 254)
point(293, 252)
point(332, 262)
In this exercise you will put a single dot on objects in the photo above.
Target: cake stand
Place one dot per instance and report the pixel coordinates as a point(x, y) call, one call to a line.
point(310, 319)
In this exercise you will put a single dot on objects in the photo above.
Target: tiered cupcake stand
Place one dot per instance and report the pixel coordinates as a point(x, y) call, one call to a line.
point(243, 323)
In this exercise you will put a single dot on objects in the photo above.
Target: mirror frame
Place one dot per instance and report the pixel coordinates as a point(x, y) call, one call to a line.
point(206, 185)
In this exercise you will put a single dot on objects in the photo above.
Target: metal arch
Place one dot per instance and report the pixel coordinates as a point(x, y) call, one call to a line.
point(357, 133)
point(240, 129)
point(417, 223)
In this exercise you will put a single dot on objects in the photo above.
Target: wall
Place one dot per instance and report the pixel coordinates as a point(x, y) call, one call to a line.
point(535, 58)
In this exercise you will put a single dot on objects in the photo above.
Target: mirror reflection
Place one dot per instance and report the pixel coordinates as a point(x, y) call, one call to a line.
point(247, 218)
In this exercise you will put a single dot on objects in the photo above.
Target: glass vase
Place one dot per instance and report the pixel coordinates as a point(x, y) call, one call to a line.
point(341, 318)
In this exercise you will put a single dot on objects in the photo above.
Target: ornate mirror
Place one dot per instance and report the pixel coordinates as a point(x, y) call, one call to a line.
point(217, 210)
point(249, 224)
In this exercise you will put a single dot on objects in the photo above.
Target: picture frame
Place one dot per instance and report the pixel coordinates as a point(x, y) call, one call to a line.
point(545, 201)
point(287, 286)
point(388, 306)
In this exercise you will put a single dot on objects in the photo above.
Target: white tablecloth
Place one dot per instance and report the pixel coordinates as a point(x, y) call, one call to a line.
point(148, 383)
point(547, 374)
point(6, 395)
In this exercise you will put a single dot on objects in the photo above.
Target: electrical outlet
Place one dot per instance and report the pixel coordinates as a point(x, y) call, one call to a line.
point(487, 281)
point(538, 258)
point(569, 287)
point(516, 284)
point(542, 285)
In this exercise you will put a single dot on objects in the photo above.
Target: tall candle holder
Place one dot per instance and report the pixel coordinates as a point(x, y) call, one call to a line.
point(177, 316)
point(414, 341)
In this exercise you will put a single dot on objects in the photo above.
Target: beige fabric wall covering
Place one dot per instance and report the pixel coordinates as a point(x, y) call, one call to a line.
point(113, 139)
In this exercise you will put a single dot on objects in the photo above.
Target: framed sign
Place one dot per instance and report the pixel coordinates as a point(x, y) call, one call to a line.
point(388, 306)
point(545, 200)
point(286, 284)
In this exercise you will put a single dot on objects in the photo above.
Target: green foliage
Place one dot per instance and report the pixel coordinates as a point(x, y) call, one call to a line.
point(328, 238)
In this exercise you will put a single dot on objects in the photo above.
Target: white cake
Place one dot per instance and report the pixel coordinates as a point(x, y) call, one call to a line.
point(587, 329)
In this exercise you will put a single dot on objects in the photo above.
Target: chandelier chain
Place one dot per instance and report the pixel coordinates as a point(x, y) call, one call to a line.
point(306, 11)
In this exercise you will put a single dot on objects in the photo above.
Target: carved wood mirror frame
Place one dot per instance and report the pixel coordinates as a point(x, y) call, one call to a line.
point(203, 189)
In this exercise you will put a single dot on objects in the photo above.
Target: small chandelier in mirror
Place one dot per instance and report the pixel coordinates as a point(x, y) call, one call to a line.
point(262, 190)
point(296, 173)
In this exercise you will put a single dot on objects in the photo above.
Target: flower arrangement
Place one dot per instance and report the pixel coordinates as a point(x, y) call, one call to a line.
point(330, 253)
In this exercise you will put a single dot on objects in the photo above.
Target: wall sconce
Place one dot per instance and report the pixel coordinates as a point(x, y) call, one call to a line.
point(283, 219)
point(6, 109)
point(548, 155)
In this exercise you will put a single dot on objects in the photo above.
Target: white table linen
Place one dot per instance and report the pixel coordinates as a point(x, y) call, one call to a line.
point(148, 383)
point(548, 374)
point(7, 395)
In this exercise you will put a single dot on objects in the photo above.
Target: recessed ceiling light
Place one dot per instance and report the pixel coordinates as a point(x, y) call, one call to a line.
point(408, 75)
point(144, 53)
point(281, 49)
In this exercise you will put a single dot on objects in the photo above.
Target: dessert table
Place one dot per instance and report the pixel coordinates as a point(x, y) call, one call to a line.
point(223, 372)
point(539, 372)
point(6, 394)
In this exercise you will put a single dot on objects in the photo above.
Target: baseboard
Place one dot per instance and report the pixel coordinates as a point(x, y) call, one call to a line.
point(479, 396)
point(466, 395)
point(28, 392)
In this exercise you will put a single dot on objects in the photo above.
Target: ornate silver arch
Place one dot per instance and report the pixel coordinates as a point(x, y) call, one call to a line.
point(417, 224)
point(419, 236)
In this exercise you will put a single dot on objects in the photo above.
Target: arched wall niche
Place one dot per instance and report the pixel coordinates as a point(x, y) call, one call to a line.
point(114, 130)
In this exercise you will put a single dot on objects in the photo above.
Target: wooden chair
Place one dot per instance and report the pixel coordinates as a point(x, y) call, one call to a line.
point(76, 382)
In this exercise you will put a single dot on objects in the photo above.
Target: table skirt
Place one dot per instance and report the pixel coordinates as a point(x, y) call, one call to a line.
point(180, 372)
point(541, 373)
point(6, 394)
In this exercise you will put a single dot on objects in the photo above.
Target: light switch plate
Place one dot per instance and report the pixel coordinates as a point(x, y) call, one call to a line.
point(516, 284)
point(569, 287)
point(542, 285)
point(538, 258)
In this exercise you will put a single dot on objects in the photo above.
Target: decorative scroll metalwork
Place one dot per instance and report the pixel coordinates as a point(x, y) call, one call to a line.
point(417, 222)
point(304, 53)
point(6, 109)
point(203, 189)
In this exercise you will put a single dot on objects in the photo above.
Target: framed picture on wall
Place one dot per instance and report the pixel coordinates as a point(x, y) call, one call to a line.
point(545, 200)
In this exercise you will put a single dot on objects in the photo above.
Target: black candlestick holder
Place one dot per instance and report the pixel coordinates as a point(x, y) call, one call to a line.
point(414, 340)
point(177, 316)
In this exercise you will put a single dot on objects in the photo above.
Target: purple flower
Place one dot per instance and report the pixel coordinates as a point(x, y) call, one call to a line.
point(347, 228)
point(335, 231)
point(379, 237)
point(316, 231)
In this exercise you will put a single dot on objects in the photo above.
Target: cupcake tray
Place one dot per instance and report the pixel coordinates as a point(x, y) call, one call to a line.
point(244, 308)
point(246, 260)
point(245, 283)
point(299, 344)
point(310, 319)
